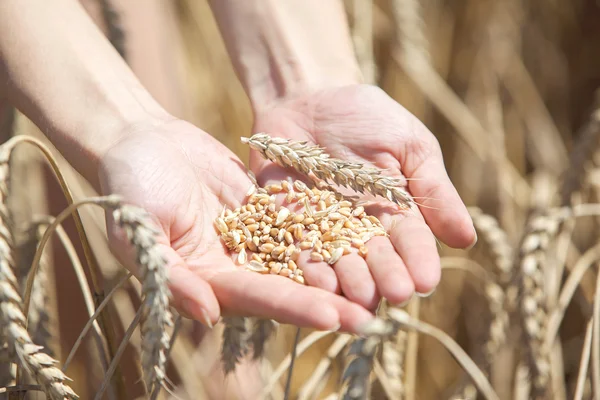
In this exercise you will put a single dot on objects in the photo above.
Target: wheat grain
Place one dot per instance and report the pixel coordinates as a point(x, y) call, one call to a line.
point(268, 239)
point(312, 161)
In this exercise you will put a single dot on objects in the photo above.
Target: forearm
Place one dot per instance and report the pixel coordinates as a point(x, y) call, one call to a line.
point(284, 48)
point(61, 72)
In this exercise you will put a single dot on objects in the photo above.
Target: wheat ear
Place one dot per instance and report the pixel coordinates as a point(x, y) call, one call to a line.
point(313, 161)
point(13, 324)
point(533, 308)
point(356, 375)
point(156, 316)
point(260, 332)
point(236, 332)
point(497, 243)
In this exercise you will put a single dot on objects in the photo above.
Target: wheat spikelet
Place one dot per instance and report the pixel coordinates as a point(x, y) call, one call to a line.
point(260, 332)
point(529, 282)
point(392, 357)
point(13, 323)
point(156, 316)
point(235, 342)
point(312, 161)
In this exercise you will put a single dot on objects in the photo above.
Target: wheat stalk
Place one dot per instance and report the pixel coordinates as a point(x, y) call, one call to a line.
point(313, 161)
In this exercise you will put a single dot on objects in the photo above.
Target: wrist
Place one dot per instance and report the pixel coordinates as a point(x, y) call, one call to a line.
point(293, 80)
point(85, 142)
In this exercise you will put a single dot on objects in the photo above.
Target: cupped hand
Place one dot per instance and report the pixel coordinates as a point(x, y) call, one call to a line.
point(183, 177)
point(361, 123)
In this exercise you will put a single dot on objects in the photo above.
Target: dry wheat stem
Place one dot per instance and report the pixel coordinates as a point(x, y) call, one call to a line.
point(596, 341)
point(12, 320)
point(400, 319)
point(586, 260)
point(9, 145)
point(385, 381)
point(311, 160)
point(51, 228)
point(285, 363)
point(85, 290)
point(120, 350)
point(90, 323)
point(362, 37)
point(584, 361)
point(308, 389)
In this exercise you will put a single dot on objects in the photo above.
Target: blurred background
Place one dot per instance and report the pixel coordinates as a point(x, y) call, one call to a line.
point(509, 91)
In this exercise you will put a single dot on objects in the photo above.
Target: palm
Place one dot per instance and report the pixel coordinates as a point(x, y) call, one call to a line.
point(361, 123)
point(183, 178)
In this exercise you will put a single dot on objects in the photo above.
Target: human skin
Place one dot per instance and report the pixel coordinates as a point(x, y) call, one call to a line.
point(60, 71)
point(296, 62)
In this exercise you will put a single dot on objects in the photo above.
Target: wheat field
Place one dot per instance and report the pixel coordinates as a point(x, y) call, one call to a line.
point(509, 88)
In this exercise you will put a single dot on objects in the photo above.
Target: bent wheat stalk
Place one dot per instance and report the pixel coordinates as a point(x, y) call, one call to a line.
point(156, 316)
point(13, 323)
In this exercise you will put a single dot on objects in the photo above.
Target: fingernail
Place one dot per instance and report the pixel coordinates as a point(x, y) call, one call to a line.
point(423, 295)
point(474, 241)
point(190, 308)
point(335, 328)
point(403, 304)
point(206, 318)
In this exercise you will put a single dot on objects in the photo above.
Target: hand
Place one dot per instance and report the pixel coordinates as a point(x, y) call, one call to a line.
point(361, 123)
point(183, 178)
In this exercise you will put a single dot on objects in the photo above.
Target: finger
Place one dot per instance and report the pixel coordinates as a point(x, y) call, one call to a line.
point(356, 281)
point(318, 273)
point(389, 271)
point(192, 295)
point(279, 298)
point(439, 201)
point(416, 245)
